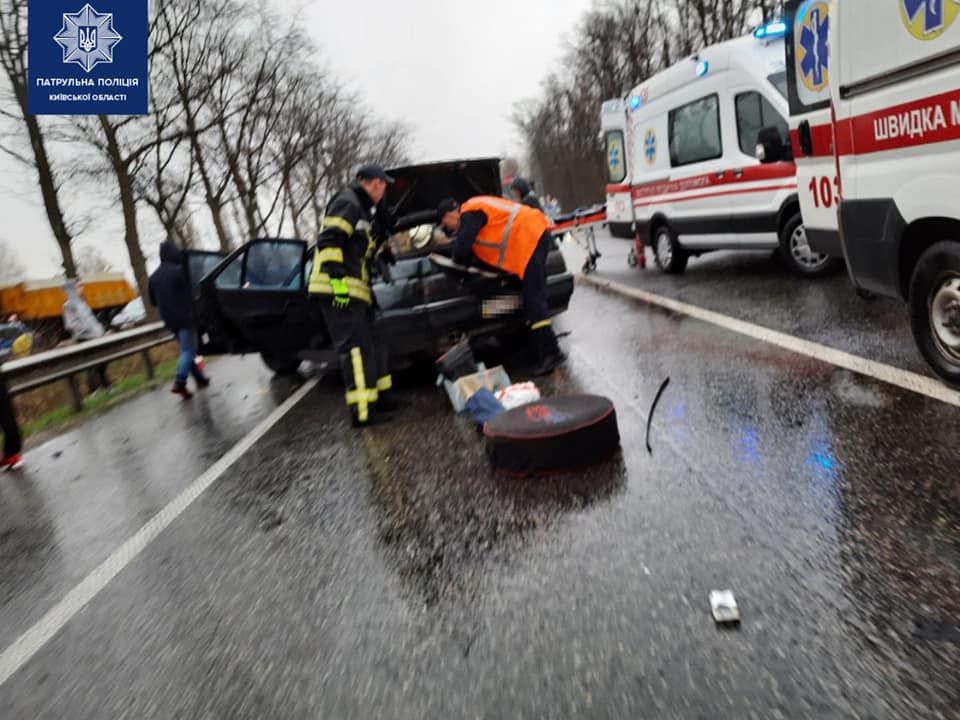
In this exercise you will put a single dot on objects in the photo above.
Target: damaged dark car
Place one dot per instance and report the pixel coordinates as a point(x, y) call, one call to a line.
point(256, 301)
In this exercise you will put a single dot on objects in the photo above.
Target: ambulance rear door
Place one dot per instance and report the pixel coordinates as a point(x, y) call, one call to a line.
point(811, 124)
point(613, 119)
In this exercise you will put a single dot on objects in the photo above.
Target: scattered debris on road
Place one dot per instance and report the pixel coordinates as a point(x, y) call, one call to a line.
point(653, 407)
point(724, 607)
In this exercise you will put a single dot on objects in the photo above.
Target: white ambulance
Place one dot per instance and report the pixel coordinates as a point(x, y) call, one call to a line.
point(811, 125)
point(694, 135)
point(617, 141)
point(895, 127)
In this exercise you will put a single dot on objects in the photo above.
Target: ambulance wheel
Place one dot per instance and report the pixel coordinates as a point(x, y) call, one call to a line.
point(796, 250)
point(671, 258)
point(281, 364)
point(935, 309)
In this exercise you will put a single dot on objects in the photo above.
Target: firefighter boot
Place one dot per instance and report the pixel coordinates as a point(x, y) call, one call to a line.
point(549, 355)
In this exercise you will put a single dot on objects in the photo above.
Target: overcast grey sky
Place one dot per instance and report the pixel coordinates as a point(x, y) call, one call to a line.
point(451, 70)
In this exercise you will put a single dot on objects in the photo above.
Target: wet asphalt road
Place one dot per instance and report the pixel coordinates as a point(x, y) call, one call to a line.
point(756, 287)
point(388, 573)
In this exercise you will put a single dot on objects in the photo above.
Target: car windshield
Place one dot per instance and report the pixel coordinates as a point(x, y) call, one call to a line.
point(779, 81)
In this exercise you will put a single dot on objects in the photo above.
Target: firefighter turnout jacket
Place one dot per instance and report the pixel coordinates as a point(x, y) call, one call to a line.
point(345, 245)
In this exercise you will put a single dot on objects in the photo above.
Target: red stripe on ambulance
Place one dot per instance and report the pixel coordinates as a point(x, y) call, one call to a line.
point(926, 121)
point(713, 181)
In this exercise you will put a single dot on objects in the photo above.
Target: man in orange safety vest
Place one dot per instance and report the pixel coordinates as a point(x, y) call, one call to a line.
point(513, 238)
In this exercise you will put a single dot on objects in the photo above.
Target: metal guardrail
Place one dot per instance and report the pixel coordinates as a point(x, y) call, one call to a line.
point(30, 373)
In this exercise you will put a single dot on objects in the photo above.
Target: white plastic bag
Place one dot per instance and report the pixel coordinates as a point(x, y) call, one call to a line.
point(517, 395)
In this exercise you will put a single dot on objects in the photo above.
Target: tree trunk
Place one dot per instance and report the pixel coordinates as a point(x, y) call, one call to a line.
point(48, 189)
point(213, 202)
point(292, 204)
point(131, 235)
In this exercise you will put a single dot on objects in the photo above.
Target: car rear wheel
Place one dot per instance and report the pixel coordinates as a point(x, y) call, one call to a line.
point(796, 250)
point(671, 258)
point(935, 309)
point(281, 364)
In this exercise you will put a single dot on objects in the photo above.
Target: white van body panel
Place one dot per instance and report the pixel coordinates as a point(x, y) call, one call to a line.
point(724, 198)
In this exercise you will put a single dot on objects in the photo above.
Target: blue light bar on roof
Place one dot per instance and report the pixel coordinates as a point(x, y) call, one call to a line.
point(703, 68)
point(635, 102)
point(773, 30)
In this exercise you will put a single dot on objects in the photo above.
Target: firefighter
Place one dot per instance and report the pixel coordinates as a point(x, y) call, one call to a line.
point(341, 273)
point(522, 191)
point(513, 238)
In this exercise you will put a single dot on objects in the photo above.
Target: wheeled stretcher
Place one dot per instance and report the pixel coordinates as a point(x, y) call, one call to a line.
point(582, 226)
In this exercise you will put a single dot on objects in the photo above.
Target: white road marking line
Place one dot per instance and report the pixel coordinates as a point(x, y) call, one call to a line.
point(905, 379)
point(31, 641)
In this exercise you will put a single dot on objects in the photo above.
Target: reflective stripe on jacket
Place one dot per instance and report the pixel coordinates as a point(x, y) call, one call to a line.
point(511, 234)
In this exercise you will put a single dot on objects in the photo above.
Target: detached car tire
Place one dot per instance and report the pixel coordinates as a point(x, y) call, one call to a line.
point(795, 250)
point(552, 436)
point(670, 257)
point(281, 364)
point(935, 309)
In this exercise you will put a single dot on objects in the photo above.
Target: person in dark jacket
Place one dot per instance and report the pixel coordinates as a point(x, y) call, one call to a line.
point(170, 292)
point(522, 191)
point(354, 219)
point(12, 442)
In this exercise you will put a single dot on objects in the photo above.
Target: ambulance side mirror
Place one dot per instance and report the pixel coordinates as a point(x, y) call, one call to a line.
point(770, 146)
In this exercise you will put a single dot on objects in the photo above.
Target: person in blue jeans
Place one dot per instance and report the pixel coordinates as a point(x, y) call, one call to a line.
point(170, 293)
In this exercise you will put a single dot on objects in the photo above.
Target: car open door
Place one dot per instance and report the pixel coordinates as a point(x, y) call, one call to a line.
point(256, 300)
point(811, 124)
point(199, 263)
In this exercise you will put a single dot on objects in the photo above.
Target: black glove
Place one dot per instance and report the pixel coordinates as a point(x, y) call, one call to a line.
point(386, 254)
point(383, 267)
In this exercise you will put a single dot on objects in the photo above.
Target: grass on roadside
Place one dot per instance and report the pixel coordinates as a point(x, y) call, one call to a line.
point(120, 390)
point(50, 408)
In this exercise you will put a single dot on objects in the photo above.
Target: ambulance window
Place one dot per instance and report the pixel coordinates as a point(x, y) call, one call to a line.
point(695, 132)
point(616, 157)
point(754, 114)
point(779, 81)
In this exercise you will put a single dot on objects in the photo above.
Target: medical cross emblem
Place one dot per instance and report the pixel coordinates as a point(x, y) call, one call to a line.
point(650, 146)
point(614, 158)
point(87, 38)
point(815, 52)
point(928, 19)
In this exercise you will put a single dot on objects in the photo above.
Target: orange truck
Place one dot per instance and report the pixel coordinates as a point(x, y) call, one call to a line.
point(39, 303)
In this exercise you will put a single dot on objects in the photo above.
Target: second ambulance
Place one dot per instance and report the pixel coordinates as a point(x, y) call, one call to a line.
point(875, 103)
point(699, 158)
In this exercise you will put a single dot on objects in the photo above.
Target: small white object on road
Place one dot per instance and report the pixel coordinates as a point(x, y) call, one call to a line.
point(518, 394)
point(724, 607)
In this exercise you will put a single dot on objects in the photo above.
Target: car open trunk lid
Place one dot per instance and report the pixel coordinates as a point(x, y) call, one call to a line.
point(419, 189)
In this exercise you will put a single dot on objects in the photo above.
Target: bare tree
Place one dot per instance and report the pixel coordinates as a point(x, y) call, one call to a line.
point(700, 23)
point(618, 46)
point(11, 269)
point(204, 58)
point(250, 138)
point(164, 178)
point(120, 145)
point(13, 59)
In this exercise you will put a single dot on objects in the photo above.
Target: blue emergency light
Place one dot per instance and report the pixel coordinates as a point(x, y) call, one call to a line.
point(773, 30)
point(703, 67)
point(635, 102)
